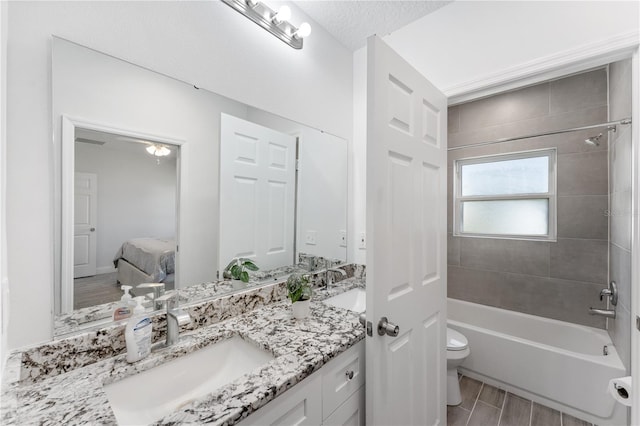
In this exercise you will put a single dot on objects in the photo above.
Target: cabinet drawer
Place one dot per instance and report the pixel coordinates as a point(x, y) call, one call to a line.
point(300, 406)
point(341, 377)
point(351, 413)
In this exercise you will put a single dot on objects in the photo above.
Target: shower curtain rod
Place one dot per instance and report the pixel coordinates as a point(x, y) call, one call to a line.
point(611, 124)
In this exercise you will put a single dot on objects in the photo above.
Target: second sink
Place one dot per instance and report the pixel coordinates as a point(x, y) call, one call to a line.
point(354, 300)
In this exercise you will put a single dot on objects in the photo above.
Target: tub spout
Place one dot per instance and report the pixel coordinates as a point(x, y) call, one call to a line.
point(607, 313)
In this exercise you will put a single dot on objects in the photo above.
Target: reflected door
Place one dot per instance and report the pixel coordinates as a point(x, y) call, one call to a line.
point(85, 218)
point(406, 230)
point(257, 193)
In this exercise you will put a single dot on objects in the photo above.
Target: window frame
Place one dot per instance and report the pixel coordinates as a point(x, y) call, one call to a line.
point(551, 195)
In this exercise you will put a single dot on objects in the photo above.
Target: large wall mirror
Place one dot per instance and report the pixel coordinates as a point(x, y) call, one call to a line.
point(163, 182)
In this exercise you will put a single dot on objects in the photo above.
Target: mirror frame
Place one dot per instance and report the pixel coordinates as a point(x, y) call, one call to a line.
point(69, 126)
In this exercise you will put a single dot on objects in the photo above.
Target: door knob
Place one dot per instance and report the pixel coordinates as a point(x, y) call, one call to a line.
point(92, 229)
point(388, 328)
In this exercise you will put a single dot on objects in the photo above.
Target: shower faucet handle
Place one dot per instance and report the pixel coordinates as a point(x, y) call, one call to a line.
point(604, 292)
point(611, 292)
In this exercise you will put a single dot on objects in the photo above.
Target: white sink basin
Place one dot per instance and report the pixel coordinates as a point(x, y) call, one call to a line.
point(354, 300)
point(148, 396)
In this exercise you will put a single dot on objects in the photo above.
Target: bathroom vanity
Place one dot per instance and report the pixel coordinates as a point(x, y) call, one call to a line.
point(322, 356)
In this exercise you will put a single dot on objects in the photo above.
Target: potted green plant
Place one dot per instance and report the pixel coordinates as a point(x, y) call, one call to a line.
point(238, 270)
point(299, 291)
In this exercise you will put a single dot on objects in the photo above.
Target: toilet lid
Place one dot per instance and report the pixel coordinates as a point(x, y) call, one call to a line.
point(455, 340)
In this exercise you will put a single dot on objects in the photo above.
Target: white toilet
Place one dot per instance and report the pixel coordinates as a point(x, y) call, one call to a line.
point(457, 351)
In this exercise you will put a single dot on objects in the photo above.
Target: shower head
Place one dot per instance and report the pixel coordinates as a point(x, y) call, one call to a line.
point(594, 140)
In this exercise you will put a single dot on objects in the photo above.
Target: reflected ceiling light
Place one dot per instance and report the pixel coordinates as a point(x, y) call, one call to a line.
point(158, 150)
point(277, 23)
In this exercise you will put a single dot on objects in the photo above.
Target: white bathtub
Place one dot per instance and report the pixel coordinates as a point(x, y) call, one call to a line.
point(552, 362)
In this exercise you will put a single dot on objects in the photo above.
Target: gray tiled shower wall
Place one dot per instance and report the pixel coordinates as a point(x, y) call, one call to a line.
point(559, 279)
point(620, 219)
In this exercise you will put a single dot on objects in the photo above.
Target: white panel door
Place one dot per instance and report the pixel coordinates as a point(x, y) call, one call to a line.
point(406, 231)
point(85, 218)
point(257, 193)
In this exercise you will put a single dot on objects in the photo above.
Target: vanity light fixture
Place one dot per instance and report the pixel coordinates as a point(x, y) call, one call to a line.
point(158, 150)
point(277, 23)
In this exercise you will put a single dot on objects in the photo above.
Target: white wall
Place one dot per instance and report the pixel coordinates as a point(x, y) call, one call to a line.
point(136, 196)
point(322, 190)
point(205, 43)
point(4, 283)
point(358, 157)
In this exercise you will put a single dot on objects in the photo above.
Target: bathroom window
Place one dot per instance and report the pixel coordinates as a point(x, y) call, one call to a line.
point(506, 196)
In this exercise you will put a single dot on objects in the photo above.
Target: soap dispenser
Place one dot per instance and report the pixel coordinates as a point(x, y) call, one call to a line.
point(125, 307)
point(137, 333)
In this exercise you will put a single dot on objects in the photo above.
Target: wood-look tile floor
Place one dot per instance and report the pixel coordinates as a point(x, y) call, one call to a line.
point(96, 290)
point(485, 405)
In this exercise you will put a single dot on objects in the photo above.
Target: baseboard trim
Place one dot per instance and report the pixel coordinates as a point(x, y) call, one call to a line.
point(105, 270)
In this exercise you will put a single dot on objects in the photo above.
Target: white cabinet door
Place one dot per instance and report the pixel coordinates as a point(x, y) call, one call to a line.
point(351, 413)
point(257, 193)
point(300, 405)
point(406, 231)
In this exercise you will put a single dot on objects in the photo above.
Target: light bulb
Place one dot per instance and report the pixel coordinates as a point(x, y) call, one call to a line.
point(284, 14)
point(303, 31)
point(158, 150)
point(163, 151)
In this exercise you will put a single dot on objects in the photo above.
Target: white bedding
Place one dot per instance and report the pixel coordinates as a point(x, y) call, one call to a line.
point(153, 256)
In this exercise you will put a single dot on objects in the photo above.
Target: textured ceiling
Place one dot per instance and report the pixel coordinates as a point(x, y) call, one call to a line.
point(352, 21)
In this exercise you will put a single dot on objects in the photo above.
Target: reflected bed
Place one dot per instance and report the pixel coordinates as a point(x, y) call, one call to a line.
point(146, 260)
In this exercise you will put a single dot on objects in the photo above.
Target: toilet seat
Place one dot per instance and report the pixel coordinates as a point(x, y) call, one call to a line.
point(456, 341)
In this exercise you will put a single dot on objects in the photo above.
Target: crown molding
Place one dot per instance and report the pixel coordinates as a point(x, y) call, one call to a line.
point(559, 64)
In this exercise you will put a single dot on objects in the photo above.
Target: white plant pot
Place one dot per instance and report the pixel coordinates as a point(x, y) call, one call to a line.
point(238, 284)
point(301, 309)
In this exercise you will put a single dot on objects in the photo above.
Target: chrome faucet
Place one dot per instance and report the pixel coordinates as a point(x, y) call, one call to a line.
point(175, 317)
point(327, 274)
point(158, 291)
point(612, 293)
point(607, 313)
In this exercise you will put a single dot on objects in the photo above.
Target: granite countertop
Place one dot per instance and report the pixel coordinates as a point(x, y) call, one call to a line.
point(300, 348)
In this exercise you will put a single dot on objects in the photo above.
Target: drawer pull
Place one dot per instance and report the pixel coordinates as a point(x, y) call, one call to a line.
point(349, 374)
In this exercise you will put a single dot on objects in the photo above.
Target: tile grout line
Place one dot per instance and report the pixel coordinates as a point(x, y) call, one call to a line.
point(504, 402)
point(531, 413)
point(475, 403)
